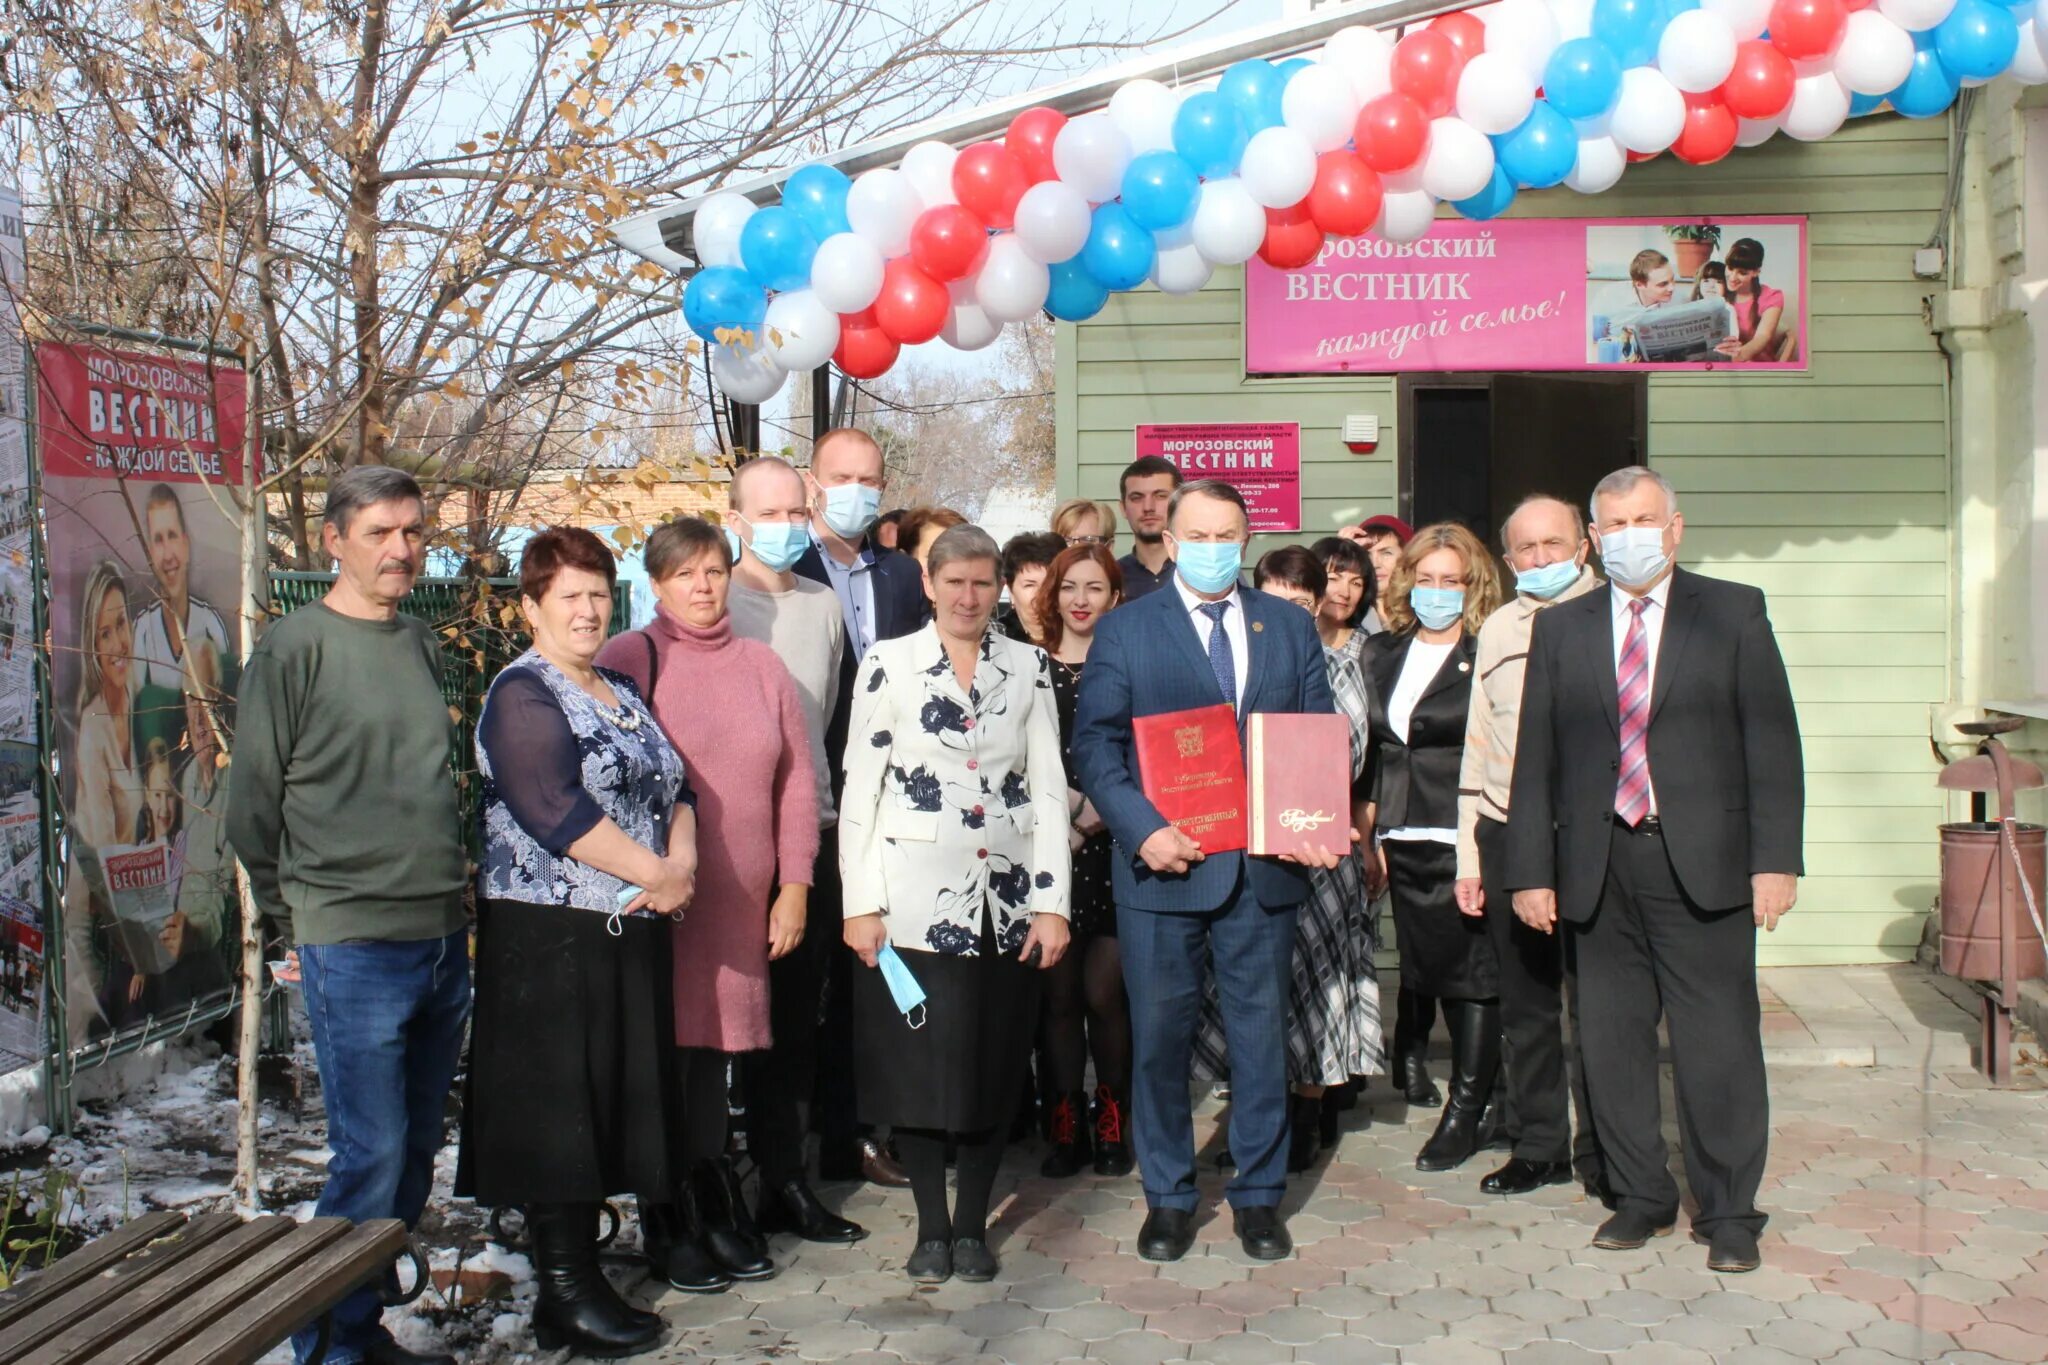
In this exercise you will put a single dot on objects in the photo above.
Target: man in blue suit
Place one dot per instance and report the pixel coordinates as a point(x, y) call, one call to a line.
point(1180, 914)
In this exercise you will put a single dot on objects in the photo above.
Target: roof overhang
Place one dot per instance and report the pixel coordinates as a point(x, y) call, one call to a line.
point(662, 235)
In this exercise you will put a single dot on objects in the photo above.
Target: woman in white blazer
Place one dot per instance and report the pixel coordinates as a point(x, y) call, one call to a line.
point(953, 850)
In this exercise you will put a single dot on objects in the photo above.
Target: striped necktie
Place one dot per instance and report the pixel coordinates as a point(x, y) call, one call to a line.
point(1222, 662)
point(1632, 684)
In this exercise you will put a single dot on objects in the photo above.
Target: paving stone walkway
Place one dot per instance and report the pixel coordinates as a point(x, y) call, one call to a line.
point(1909, 1222)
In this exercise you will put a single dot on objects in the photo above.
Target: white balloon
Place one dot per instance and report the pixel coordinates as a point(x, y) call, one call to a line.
point(1011, 284)
point(1697, 51)
point(715, 231)
point(1144, 110)
point(2030, 63)
point(1180, 267)
point(1523, 29)
point(801, 332)
point(1406, 216)
point(1363, 55)
point(1819, 106)
point(929, 168)
point(1279, 168)
point(1575, 18)
point(1755, 132)
point(1915, 16)
point(1090, 154)
point(1229, 227)
point(883, 206)
point(1407, 180)
point(746, 376)
point(1747, 19)
point(1053, 221)
point(1601, 159)
point(1495, 93)
point(1650, 114)
point(846, 274)
point(1318, 104)
point(1875, 55)
point(1458, 161)
point(967, 326)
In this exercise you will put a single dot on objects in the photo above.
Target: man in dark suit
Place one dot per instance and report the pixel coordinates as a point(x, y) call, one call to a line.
point(881, 596)
point(1203, 641)
point(1658, 803)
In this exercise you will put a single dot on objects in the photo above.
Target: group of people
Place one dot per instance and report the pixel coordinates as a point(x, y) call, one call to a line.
point(843, 838)
point(1753, 324)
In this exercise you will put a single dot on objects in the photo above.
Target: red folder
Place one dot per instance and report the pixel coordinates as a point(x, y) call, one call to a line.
point(1300, 782)
point(1191, 767)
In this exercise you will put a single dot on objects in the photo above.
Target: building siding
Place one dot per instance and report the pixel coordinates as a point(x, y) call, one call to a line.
point(1827, 489)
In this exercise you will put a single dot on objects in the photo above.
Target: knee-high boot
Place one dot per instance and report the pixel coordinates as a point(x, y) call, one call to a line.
point(577, 1307)
point(728, 1227)
point(1475, 1061)
point(1413, 1014)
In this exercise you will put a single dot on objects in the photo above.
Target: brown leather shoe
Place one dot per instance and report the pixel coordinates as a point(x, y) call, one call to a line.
point(877, 1167)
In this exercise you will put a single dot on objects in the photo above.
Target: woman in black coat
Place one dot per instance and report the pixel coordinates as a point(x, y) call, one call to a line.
point(1421, 667)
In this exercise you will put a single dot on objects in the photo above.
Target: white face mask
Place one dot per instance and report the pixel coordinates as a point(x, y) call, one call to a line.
point(1634, 555)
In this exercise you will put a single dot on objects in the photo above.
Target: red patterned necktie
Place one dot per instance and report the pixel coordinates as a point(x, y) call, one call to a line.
point(1632, 683)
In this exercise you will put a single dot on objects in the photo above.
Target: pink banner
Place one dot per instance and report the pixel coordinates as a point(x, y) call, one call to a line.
point(1262, 460)
point(1539, 294)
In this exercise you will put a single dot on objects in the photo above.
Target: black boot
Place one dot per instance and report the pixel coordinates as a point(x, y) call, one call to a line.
point(1112, 1142)
point(1414, 1012)
point(1304, 1139)
point(1330, 1115)
point(1069, 1136)
point(1475, 1061)
point(672, 1240)
point(792, 1206)
point(729, 1232)
point(1494, 1133)
point(577, 1307)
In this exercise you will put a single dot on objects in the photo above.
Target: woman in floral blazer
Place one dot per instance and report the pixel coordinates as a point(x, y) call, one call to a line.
point(953, 850)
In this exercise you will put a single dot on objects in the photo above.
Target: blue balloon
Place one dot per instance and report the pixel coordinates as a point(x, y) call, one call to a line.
point(1582, 79)
point(1859, 105)
point(1119, 252)
point(1254, 87)
point(817, 194)
point(1541, 152)
point(723, 298)
point(1674, 8)
point(1075, 294)
point(1294, 64)
point(1492, 201)
point(1209, 131)
point(1160, 190)
point(1978, 39)
point(1930, 89)
point(1630, 28)
point(776, 248)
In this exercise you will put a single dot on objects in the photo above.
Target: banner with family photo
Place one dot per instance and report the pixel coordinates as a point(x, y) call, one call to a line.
point(1538, 294)
point(21, 833)
point(144, 555)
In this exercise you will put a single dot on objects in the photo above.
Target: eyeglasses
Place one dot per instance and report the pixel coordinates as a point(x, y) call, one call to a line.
point(1087, 540)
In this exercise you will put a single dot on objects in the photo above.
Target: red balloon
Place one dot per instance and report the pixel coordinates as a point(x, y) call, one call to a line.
point(1390, 133)
point(1345, 199)
point(912, 306)
point(1853, 5)
point(1030, 138)
point(1807, 28)
point(1709, 132)
point(1466, 30)
point(1425, 68)
point(1636, 157)
point(948, 242)
point(1292, 238)
point(865, 351)
point(988, 182)
point(1760, 86)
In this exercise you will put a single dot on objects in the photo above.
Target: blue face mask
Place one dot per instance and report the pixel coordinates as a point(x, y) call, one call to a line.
point(903, 987)
point(1634, 555)
point(850, 508)
point(1548, 581)
point(1437, 608)
point(1208, 565)
point(732, 543)
point(779, 544)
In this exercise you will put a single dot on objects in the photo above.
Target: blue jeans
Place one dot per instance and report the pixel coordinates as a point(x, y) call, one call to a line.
point(387, 1025)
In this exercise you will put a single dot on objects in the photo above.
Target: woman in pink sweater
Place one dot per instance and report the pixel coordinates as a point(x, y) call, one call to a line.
point(731, 708)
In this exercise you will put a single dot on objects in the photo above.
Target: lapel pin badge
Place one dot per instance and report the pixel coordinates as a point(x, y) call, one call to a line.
point(1464, 667)
point(1258, 626)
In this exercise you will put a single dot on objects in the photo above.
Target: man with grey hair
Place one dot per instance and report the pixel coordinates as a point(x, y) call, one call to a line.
point(343, 810)
point(1658, 804)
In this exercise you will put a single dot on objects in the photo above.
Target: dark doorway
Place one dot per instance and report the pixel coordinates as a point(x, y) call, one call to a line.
point(1474, 445)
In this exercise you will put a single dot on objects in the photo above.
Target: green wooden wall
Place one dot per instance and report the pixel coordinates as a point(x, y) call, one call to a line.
point(1827, 489)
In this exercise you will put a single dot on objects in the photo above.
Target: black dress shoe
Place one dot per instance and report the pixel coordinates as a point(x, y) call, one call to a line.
point(1262, 1235)
point(931, 1262)
point(877, 1167)
point(792, 1207)
point(973, 1261)
point(1593, 1178)
point(391, 1353)
point(1167, 1235)
point(1733, 1251)
point(1520, 1176)
point(1627, 1230)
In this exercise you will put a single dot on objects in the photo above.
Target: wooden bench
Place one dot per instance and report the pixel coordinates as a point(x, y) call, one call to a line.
point(213, 1290)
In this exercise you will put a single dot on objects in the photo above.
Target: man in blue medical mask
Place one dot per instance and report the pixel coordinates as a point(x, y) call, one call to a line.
point(1547, 550)
point(1203, 641)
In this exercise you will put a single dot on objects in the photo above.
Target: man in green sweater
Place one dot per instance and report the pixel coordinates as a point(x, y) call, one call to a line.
point(342, 808)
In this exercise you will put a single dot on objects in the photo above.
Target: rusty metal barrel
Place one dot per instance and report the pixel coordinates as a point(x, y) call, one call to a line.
point(1982, 901)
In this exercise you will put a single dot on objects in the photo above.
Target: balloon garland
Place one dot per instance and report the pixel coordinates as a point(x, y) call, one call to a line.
point(1270, 159)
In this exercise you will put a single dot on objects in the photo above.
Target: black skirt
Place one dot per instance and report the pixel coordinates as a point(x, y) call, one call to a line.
point(1089, 893)
point(963, 1071)
point(572, 1094)
point(1443, 953)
